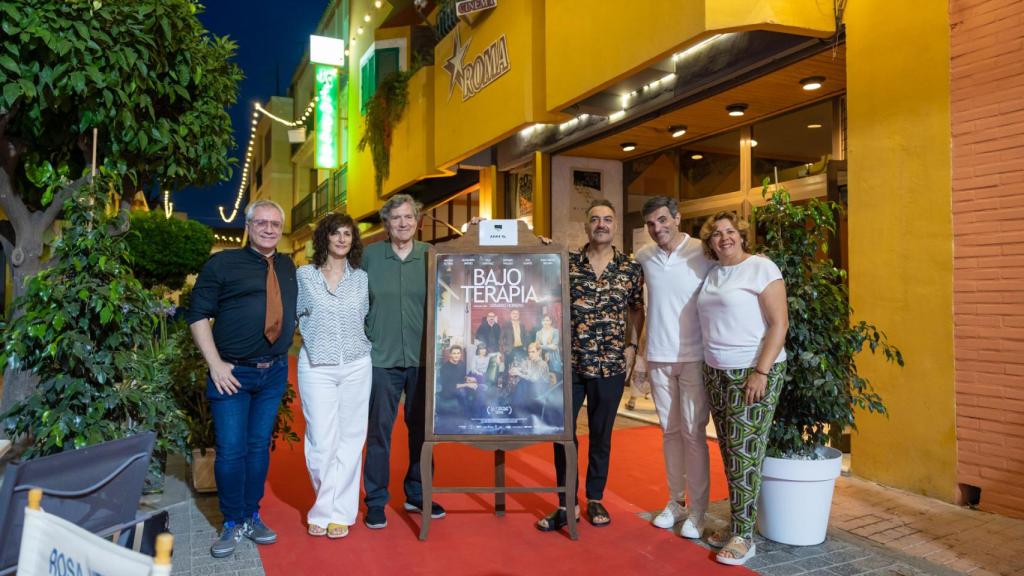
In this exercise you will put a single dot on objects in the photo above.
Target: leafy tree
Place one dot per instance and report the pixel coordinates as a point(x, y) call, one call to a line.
point(822, 386)
point(89, 332)
point(143, 74)
point(165, 250)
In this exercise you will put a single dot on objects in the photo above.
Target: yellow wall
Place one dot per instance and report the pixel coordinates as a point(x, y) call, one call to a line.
point(511, 102)
point(602, 41)
point(412, 145)
point(901, 239)
point(362, 192)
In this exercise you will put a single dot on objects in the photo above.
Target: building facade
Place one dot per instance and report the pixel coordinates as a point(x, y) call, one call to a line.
point(908, 114)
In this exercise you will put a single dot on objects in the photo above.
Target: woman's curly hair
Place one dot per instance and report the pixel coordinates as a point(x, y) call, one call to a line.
point(322, 238)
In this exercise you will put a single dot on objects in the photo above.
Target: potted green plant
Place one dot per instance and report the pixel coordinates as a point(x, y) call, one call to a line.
point(188, 386)
point(86, 329)
point(823, 389)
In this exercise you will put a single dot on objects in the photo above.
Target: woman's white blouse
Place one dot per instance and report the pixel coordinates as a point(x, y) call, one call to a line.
point(333, 324)
point(731, 319)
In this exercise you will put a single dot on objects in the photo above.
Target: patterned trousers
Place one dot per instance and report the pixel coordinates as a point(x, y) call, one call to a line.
point(742, 436)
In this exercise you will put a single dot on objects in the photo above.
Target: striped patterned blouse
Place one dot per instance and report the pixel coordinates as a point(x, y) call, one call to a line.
point(333, 323)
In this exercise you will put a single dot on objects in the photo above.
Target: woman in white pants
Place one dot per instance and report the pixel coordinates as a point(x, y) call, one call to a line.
point(334, 372)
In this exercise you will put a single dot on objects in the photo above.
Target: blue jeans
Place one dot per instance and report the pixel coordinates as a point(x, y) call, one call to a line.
point(388, 385)
point(243, 423)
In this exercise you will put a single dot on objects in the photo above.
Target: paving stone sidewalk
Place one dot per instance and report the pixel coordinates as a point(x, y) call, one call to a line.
point(195, 522)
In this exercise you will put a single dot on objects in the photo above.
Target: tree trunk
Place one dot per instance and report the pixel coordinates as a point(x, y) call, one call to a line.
point(25, 259)
point(18, 384)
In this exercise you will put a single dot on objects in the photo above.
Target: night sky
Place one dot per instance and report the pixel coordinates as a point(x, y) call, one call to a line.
point(271, 36)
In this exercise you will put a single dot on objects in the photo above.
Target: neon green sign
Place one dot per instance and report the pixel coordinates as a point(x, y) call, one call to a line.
point(328, 116)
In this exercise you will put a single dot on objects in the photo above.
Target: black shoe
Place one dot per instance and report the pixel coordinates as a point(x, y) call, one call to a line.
point(436, 510)
point(375, 518)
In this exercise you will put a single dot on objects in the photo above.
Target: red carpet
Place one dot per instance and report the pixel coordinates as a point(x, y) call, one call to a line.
point(472, 540)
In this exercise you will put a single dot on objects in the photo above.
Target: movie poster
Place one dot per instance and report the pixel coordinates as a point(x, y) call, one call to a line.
point(498, 344)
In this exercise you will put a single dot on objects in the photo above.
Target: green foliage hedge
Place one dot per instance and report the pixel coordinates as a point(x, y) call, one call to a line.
point(164, 251)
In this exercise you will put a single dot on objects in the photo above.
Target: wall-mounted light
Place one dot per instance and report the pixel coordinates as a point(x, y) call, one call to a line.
point(753, 143)
point(677, 131)
point(696, 156)
point(736, 109)
point(812, 82)
point(628, 146)
point(813, 126)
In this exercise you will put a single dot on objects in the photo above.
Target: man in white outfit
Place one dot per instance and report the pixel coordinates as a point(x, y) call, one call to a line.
point(674, 268)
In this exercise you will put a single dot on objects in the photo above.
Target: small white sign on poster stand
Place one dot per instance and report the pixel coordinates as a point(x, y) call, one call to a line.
point(499, 232)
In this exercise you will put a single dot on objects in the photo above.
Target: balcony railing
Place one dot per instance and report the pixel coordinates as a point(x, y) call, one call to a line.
point(446, 20)
point(302, 213)
point(321, 199)
point(339, 197)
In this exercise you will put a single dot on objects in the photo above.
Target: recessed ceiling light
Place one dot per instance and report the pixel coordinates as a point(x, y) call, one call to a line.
point(359, 30)
point(696, 156)
point(753, 143)
point(628, 146)
point(366, 18)
point(812, 82)
point(677, 131)
point(813, 126)
point(378, 4)
point(736, 109)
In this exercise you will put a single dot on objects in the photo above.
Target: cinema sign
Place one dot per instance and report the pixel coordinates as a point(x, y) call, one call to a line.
point(473, 76)
point(466, 7)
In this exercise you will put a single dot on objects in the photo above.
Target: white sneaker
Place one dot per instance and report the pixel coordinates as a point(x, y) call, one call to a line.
point(668, 517)
point(693, 528)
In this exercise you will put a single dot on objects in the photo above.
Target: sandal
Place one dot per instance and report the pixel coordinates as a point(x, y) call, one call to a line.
point(555, 521)
point(597, 510)
point(736, 552)
point(335, 531)
point(315, 530)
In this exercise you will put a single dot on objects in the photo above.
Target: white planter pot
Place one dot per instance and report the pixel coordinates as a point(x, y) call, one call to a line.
point(796, 497)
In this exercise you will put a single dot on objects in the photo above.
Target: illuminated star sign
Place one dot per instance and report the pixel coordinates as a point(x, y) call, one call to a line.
point(453, 65)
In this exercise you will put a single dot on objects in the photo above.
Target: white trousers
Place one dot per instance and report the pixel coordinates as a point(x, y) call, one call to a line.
point(683, 410)
point(336, 405)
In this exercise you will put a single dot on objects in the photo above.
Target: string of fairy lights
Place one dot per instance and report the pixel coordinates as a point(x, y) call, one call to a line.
point(228, 239)
point(367, 18)
point(249, 149)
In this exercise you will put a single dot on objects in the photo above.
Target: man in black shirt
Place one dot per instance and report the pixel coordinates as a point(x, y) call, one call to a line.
point(250, 295)
point(489, 331)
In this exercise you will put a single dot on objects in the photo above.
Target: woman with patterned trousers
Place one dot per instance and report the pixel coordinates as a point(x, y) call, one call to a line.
point(744, 319)
point(334, 372)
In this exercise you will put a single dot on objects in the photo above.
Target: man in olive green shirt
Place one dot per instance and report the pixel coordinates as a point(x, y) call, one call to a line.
point(397, 271)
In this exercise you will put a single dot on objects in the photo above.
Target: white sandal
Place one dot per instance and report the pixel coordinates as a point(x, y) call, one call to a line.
point(736, 552)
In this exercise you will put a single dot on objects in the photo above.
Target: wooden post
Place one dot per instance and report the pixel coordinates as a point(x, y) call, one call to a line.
point(164, 544)
point(35, 496)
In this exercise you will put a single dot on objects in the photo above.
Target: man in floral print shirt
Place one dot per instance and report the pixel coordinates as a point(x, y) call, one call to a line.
point(606, 287)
